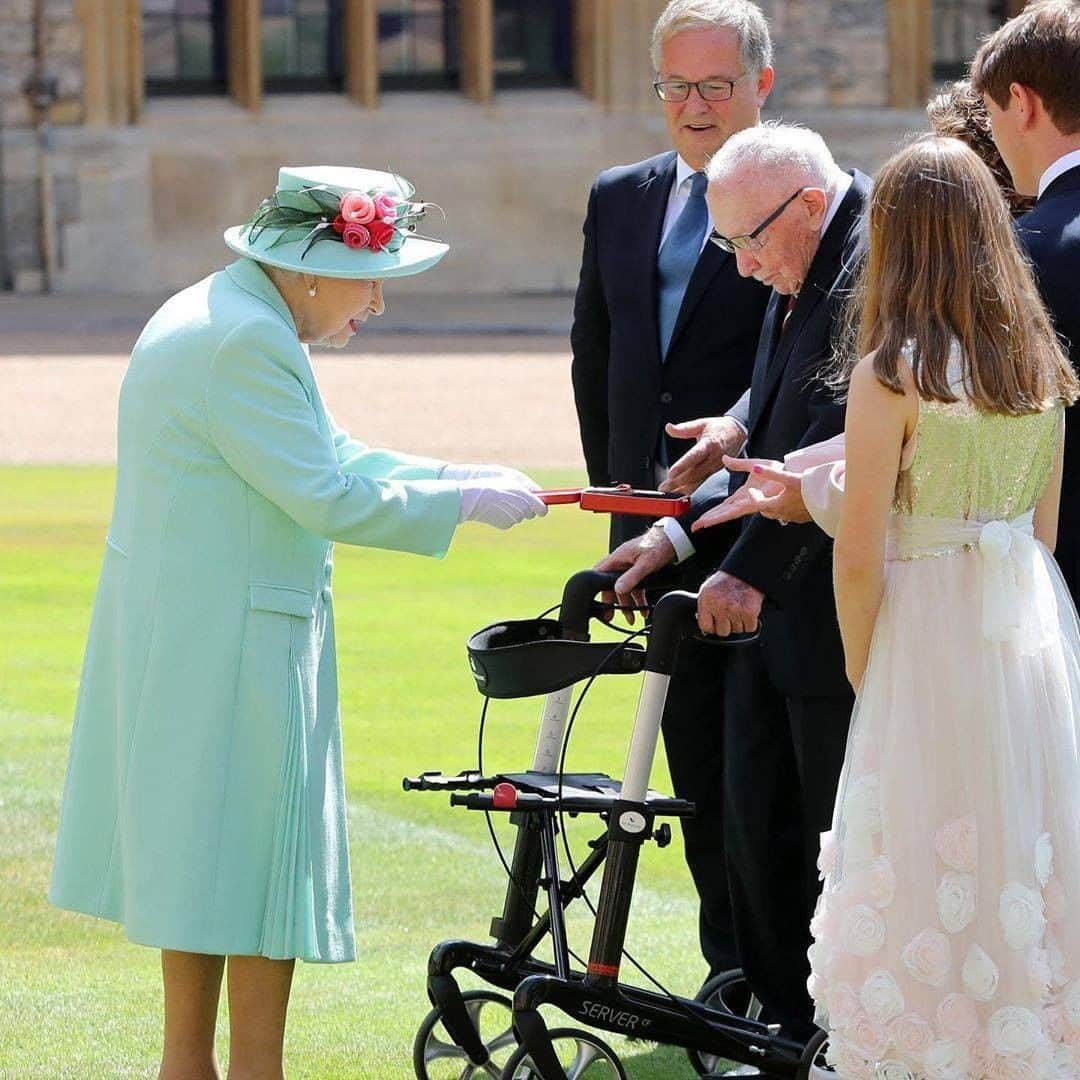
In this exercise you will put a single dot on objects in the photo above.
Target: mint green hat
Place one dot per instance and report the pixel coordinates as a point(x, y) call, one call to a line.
point(339, 222)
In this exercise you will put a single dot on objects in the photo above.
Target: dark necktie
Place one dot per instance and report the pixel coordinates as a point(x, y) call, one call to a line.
point(678, 257)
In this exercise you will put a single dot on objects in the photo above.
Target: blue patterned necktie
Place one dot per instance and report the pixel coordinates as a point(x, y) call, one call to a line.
point(678, 257)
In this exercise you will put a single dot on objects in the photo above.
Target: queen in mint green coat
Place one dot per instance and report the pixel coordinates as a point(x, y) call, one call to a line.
point(204, 804)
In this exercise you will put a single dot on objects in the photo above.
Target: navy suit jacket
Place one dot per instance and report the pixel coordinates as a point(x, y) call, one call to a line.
point(623, 392)
point(1051, 234)
point(790, 406)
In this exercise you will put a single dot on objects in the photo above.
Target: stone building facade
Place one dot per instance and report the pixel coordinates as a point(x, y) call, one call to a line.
point(162, 127)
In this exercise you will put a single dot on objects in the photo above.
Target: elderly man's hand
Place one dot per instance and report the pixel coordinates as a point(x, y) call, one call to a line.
point(638, 558)
point(770, 490)
point(716, 436)
point(727, 605)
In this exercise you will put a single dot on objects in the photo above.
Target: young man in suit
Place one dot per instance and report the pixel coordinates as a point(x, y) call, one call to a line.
point(793, 220)
point(665, 330)
point(1029, 75)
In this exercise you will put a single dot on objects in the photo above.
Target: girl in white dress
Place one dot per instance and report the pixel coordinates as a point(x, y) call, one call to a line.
point(947, 938)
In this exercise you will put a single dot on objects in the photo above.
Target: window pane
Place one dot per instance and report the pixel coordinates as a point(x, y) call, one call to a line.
point(184, 45)
point(957, 27)
point(196, 49)
point(301, 46)
point(418, 38)
point(533, 41)
point(160, 49)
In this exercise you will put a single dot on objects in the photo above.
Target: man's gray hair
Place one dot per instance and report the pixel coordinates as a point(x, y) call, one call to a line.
point(782, 150)
point(742, 16)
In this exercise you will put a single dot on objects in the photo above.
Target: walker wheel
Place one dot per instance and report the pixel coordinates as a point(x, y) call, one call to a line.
point(726, 992)
point(812, 1064)
point(437, 1057)
point(582, 1055)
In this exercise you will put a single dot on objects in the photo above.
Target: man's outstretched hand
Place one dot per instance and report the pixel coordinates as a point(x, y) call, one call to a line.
point(637, 559)
point(716, 436)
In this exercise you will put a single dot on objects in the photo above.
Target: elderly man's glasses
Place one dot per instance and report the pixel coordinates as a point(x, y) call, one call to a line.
point(752, 241)
point(709, 89)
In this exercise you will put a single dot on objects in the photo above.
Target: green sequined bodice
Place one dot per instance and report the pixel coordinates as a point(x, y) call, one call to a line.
point(977, 465)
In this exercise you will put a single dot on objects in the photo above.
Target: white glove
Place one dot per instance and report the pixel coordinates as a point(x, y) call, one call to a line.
point(500, 505)
point(499, 473)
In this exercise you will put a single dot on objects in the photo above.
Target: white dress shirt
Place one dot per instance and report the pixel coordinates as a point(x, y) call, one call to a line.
point(1062, 165)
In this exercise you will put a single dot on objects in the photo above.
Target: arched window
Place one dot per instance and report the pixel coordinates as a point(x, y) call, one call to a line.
point(184, 46)
point(302, 47)
point(957, 28)
point(533, 43)
point(418, 44)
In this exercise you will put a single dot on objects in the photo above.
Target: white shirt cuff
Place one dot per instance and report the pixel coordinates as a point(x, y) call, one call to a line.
point(676, 535)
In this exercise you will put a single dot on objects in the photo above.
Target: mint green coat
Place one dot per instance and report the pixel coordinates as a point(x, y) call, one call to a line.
point(204, 805)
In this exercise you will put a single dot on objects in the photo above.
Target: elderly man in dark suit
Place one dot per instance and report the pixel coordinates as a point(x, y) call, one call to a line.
point(792, 219)
point(664, 331)
point(1029, 75)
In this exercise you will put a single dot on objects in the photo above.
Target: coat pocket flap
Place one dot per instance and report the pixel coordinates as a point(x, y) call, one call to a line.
point(285, 599)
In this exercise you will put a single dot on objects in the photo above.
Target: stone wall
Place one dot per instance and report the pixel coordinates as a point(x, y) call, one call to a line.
point(20, 184)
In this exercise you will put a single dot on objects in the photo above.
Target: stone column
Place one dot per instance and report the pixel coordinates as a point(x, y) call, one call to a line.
point(362, 52)
point(477, 48)
point(245, 53)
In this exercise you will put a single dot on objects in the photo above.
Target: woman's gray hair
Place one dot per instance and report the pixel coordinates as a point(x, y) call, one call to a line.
point(742, 16)
point(776, 149)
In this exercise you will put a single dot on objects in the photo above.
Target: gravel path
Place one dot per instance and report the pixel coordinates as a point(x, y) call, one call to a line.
point(465, 399)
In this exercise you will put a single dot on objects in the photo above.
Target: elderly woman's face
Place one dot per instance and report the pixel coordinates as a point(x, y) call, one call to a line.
point(338, 308)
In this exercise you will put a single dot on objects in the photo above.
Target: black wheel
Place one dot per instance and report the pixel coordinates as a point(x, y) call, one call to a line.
point(437, 1057)
point(582, 1055)
point(726, 992)
point(812, 1064)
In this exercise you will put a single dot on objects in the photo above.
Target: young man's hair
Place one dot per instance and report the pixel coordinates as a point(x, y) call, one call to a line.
point(1039, 49)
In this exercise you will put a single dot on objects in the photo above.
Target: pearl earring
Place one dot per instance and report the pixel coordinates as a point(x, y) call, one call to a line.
point(312, 290)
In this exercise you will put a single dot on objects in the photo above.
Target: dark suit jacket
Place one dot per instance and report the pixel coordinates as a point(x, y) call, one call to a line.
point(624, 394)
point(1051, 234)
point(790, 406)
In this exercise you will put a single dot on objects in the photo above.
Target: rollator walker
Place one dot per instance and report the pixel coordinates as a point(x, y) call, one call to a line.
point(484, 1034)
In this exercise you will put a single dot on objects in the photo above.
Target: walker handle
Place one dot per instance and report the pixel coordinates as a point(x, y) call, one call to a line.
point(577, 600)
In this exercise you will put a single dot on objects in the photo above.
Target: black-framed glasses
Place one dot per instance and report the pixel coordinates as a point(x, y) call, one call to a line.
point(708, 89)
point(751, 241)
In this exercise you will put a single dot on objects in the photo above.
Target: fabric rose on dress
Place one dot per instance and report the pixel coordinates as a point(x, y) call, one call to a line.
point(1021, 912)
point(357, 208)
point(824, 920)
point(1053, 1018)
point(847, 1060)
point(875, 883)
point(927, 957)
point(947, 1059)
point(1039, 973)
point(862, 931)
point(356, 236)
point(1058, 975)
point(911, 1034)
point(1054, 900)
point(982, 1054)
point(843, 1004)
point(821, 959)
point(893, 1070)
point(862, 806)
point(956, 901)
point(1044, 859)
point(881, 997)
point(1064, 1061)
point(957, 1017)
point(827, 854)
point(979, 974)
point(1070, 1004)
point(1014, 1030)
point(1014, 1068)
point(868, 1036)
point(956, 843)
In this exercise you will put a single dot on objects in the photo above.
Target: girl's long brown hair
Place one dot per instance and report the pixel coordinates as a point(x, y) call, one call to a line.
point(944, 266)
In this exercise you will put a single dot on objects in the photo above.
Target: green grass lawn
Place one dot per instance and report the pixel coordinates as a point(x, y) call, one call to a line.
point(77, 1000)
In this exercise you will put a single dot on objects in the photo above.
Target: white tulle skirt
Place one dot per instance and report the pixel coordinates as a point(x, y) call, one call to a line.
point(947, 938)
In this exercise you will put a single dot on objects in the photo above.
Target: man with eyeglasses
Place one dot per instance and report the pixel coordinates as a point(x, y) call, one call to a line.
point(664, 331)
point(793, 221)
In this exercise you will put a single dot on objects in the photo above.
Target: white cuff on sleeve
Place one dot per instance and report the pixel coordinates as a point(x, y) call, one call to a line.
point(676, 534)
